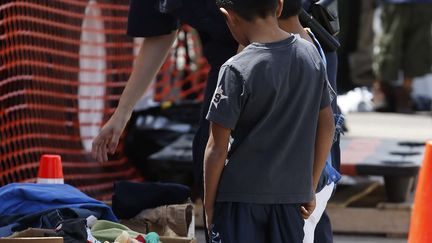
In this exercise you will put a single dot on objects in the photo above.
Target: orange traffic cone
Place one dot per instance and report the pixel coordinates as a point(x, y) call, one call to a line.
point(421, 218)
point(50, 170)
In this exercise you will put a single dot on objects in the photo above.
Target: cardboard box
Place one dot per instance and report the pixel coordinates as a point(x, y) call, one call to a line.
point(33, 232)
point(32, 235)
point(32, 240)
point(165, 239)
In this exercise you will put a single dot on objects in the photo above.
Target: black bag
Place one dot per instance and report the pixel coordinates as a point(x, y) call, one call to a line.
point(328, 42)
point(326, 13)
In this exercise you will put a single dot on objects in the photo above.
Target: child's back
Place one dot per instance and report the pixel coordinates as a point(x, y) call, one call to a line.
point(270, 96)
point(272, 99)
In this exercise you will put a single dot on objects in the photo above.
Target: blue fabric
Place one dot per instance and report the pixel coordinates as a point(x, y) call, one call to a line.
point(48, 219)
point(323, 230)
point(332, 63)
point(329, 175)
point(331, 168)
point(28, 198)
point(332, 174)
point(324, 59)
point(7, 230)
point(318, 46)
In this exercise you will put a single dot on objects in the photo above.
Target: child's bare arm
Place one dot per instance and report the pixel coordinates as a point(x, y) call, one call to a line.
point(214, 162)
point(323, 142)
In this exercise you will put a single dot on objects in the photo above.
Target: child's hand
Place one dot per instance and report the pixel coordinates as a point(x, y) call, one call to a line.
point(307, 209)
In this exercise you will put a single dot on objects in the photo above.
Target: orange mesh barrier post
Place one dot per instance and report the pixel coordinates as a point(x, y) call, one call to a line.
point(421, 218)
point(63, 66)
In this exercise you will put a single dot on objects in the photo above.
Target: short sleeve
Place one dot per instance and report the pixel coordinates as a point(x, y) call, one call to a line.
point(326, 96)
point(146, 19)
point(228, 99)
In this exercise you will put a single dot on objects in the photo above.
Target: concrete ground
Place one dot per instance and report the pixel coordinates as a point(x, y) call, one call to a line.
point(416, 127)
point(366, 239)
point(388, 125)
point(396, 126)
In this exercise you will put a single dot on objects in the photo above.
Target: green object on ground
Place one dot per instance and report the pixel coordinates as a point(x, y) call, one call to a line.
point(108, 231)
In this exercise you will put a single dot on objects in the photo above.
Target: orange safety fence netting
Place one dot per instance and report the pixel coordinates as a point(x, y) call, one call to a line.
point(63, 66)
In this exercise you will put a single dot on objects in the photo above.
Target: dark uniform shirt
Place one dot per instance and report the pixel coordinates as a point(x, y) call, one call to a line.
point(159, 17)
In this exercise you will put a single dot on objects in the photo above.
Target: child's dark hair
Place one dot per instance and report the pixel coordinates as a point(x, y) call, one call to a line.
point(250, 9)
point(291, 8)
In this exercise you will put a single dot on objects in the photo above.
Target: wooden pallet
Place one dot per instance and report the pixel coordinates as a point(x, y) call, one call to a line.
point(359, 209)
point(363, 209)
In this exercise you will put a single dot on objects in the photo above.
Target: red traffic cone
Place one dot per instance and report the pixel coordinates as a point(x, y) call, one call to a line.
point(421, 218)
point(50, 170)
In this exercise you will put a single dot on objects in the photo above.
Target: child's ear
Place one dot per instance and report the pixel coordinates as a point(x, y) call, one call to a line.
point(227, 16)
point(279, 8)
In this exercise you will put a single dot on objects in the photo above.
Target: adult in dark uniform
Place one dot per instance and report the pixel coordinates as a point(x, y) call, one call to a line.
point(158, 21)
point(159, 17)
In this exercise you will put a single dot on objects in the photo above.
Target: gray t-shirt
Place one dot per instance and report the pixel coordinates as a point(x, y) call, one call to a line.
point(270, 96)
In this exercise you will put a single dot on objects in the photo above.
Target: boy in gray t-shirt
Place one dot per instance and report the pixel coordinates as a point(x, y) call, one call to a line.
point(263, 184)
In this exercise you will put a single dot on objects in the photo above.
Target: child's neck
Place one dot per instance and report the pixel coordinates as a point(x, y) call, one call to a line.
point(265, 31)
point(293, 25)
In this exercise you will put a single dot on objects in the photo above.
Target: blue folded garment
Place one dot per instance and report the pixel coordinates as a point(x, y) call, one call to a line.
point(28, 198)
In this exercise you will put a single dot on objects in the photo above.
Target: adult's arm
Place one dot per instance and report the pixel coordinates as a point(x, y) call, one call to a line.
point(151, 56)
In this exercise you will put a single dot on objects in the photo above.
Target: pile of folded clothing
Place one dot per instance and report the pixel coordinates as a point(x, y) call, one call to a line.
point(60, 210)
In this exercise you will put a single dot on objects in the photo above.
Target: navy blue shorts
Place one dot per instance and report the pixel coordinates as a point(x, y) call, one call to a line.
point(257, 223)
